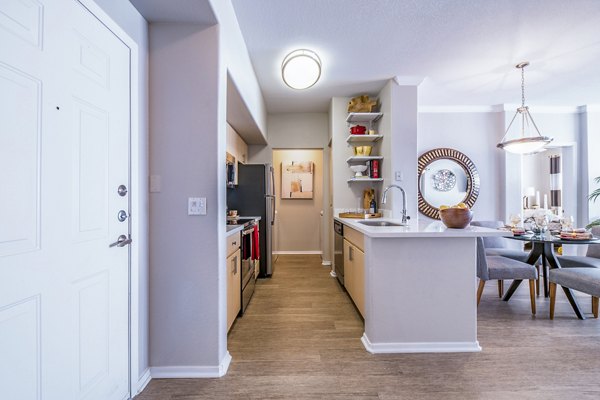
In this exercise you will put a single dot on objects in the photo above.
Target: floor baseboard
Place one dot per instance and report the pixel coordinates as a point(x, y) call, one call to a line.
point(307, 252)
point(143, 381)
point(192, 371)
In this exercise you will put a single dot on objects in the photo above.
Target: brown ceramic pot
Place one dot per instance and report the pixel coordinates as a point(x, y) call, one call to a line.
point(457, 218)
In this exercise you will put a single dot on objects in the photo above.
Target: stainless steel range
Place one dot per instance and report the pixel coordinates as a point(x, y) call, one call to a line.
point(248, 250)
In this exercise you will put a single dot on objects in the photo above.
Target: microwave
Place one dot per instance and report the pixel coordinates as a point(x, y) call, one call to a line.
point(231, 169)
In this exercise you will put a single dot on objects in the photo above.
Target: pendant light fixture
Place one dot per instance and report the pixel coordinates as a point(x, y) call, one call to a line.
point(524, 144)
point(301, 69)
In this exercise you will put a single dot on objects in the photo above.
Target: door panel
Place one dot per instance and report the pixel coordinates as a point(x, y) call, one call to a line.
point(20, 127)
point(20, 348)
point(91, 302)
point(64, 150)
point(90, 170)
point(23, 18)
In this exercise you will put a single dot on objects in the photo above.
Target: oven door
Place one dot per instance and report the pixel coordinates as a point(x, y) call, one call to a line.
point(247, 267)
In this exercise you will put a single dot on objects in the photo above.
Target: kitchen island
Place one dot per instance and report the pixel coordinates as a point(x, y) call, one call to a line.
point(420, 286)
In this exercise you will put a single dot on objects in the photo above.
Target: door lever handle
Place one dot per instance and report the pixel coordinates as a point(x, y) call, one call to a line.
point(121, 241)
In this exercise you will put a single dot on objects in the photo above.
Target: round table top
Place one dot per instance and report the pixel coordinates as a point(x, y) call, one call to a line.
point(552, 238)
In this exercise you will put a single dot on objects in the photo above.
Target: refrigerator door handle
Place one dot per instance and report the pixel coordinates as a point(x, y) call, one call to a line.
point(273, 193)
point(273, 208)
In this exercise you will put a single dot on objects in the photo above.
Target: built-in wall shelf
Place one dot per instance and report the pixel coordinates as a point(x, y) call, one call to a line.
point(363, 138)
point(351, 180)
point(363, 117)
point(363, 158)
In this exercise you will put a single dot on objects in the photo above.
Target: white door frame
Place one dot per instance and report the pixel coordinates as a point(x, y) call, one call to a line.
point(137, 379)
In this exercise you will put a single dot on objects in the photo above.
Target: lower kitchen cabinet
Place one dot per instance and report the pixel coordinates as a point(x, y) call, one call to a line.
point(234, 280)
point(354, 271)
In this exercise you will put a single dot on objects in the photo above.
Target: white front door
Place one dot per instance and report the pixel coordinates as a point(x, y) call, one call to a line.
point(64, 153)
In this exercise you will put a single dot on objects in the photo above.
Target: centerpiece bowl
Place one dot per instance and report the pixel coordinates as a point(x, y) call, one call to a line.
point(457, 218)
point(358, 170)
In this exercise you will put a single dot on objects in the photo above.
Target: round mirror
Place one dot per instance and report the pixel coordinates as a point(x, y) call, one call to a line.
point(446, 177)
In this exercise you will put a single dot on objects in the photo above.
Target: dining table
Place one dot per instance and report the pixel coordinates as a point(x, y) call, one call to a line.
point(543, 247)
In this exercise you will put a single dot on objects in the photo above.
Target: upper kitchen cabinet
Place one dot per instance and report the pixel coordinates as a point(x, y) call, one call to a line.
point(237, 151)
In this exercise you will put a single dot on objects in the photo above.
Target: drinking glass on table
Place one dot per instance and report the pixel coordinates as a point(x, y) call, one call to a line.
point(566, 223)
point(514, 220)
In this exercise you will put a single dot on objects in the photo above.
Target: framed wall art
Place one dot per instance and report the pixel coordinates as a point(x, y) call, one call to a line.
point(297, 179)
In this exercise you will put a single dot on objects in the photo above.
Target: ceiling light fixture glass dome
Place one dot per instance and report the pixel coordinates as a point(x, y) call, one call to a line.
point(301, 69)
point(525, 144)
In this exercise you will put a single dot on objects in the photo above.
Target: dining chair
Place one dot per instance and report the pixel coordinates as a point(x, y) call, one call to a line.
point(586, 280)
point(591, 258)
point(500, 268)
point(497, 246)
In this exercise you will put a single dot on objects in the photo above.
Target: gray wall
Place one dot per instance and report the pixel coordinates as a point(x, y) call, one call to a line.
point(403, 146)
point(475, 134)
point(184, 151)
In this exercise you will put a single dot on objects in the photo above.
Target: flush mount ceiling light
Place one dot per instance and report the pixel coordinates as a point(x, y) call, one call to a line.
point(301, 69)
point(524, 144)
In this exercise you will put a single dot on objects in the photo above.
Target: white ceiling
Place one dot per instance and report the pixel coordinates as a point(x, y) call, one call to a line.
point(464, 51)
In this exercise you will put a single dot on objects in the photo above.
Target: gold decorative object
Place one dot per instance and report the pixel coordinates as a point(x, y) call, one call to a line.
point(368, 195)
point(362, 104)
point(362, 150)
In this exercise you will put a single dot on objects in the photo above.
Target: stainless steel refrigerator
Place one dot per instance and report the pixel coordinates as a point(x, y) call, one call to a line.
point(254, 196)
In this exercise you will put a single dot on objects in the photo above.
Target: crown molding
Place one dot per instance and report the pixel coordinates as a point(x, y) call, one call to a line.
point(510, 108)
point(588, 108)
point(460, 109)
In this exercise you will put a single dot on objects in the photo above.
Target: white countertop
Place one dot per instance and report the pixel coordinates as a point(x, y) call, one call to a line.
point(231, 229)
point(419, 228)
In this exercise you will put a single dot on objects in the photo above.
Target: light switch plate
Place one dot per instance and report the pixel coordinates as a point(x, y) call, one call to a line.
point(155, 184)
point(197, 206)
point(398, 176)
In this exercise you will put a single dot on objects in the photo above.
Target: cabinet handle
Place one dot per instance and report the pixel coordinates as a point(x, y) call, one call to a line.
point(235, 263)
point(351, 253)
point(234, 243)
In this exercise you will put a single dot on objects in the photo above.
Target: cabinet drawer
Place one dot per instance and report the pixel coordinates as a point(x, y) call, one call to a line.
point(233, 243)
point(234, 287)
point(354, 237)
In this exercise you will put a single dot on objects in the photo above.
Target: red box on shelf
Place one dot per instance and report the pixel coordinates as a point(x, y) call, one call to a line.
point(374, 169)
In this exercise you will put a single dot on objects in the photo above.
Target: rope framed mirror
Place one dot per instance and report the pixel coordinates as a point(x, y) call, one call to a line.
point(446, 177)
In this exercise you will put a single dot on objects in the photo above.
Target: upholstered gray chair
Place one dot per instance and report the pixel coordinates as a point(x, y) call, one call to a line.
point(586, 280)
point(591, 258)
point(498, 267)
point(497, 246)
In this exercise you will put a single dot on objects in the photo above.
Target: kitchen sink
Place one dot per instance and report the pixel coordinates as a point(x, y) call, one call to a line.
point(379, 223)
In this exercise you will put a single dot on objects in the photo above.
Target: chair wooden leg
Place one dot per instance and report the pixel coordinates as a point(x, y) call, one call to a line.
point(552, 298)
point(480, 290)
point(532, 294)
point(500, 288)
point(595, 306)
point(537, 282)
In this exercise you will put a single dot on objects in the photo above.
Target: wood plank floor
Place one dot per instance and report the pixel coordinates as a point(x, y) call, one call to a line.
point(300, 339)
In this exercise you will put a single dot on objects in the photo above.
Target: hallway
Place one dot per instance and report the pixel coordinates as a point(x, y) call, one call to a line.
point(301, 340)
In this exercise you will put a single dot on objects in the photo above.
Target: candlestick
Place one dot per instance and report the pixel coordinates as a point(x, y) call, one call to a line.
point(537, 198)
point(545, 201)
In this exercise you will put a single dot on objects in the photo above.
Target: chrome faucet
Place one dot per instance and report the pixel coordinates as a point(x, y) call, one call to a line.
point(405, 217)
